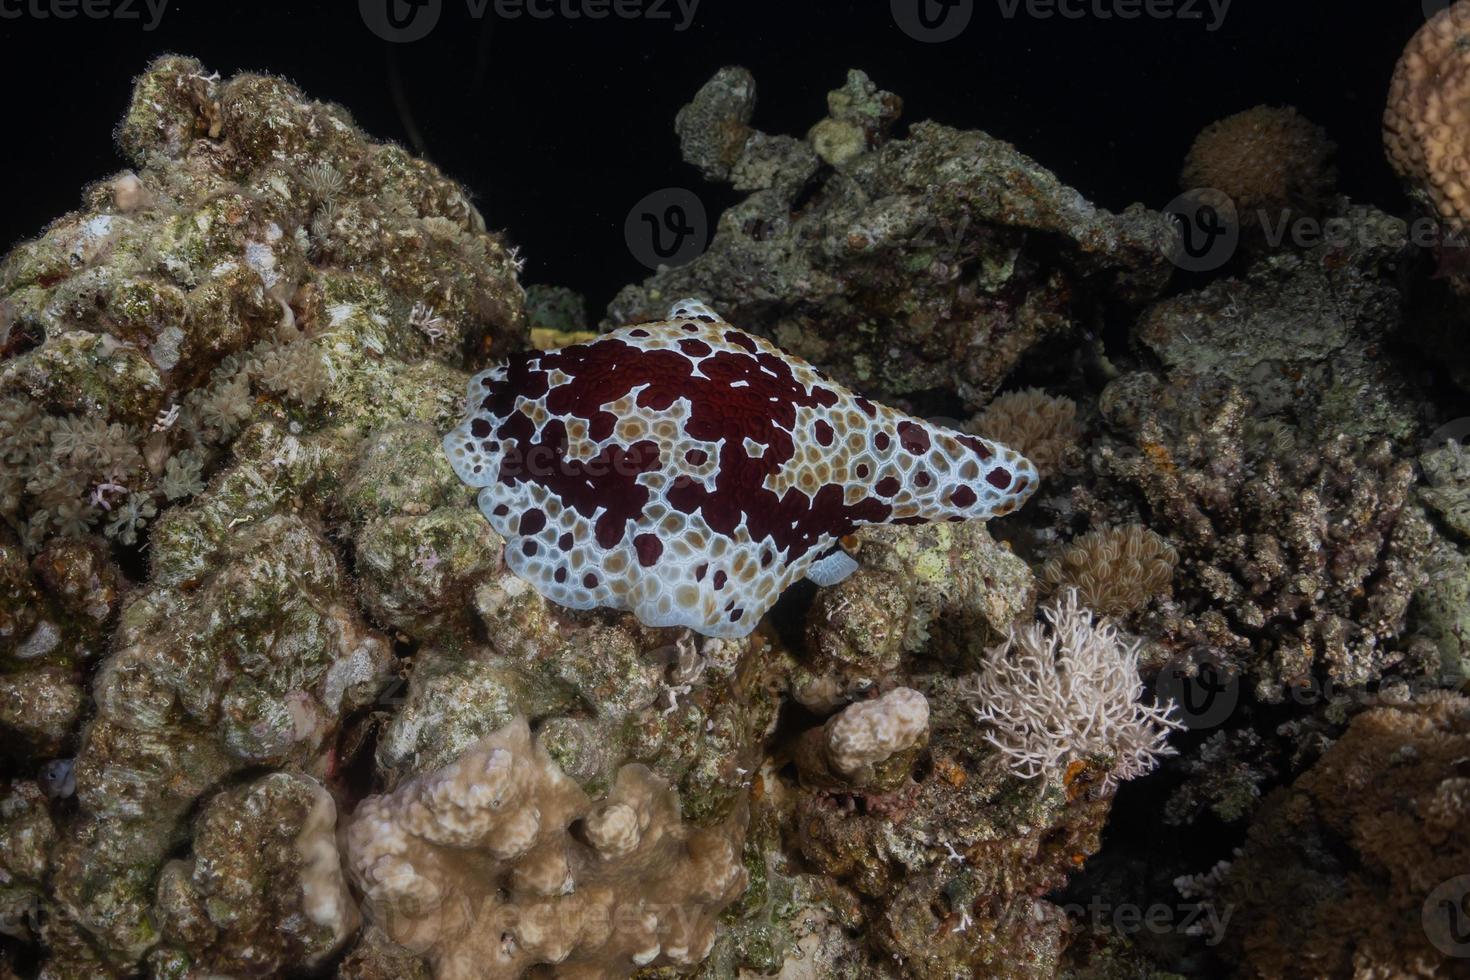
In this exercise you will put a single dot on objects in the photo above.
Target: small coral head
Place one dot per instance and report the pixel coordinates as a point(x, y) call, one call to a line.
point(691, 472)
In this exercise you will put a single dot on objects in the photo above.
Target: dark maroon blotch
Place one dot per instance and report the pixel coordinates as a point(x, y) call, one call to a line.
point(913, 438)
point(649, 547)
point(532, 521)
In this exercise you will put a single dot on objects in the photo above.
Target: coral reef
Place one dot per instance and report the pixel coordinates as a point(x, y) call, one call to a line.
point(275, 700)
point(931, 262)
point(1067, 695)
point(1424, 121)
point(1115, 571)
point(477, 867)
point(1340, 871)
point(1273, 164)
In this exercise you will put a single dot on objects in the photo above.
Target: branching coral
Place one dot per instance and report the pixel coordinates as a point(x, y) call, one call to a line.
point(1068, 692)
point(1115, 571)
point(1305, 561)
point(499, 862)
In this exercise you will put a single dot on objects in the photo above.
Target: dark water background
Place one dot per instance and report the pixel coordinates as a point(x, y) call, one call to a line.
point(560, 125)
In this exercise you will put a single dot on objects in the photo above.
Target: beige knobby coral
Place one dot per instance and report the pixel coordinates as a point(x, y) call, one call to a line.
point(867, 733)
point(499, 863)
point(1039, 426)
point(1116, 570)
point(1271, 161)
point(1426, 125)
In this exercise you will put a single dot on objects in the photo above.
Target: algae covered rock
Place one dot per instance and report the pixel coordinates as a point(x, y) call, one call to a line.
point(934, 261)
point(262, 891)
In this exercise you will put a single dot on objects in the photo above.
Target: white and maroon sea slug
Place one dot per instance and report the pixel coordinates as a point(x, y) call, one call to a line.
point(691, 472)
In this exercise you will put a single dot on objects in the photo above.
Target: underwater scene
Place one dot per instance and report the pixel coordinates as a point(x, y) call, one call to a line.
point(594, 489)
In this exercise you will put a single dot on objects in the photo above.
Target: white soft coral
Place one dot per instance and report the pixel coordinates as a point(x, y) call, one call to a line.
point(1065, 691)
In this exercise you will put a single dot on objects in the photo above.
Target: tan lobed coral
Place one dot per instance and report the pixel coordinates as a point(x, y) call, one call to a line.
point(1039, 426)
point(500, 862)
point(1427, 119)
point(1116, 570)
point(1270, 161)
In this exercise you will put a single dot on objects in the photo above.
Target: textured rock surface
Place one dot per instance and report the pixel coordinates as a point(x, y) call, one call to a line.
point(1340, 871)
point(935, 261)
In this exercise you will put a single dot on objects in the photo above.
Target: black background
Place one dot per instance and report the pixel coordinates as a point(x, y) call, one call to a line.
point(559, 126)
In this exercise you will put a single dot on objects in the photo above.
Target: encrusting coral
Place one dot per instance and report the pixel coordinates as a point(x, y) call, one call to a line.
point(1351, 869)
point(1068, 693)
point(481, 867)
point(855, 743)
point(263, 891)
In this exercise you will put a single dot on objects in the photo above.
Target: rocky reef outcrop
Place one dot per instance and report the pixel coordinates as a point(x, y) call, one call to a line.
point(273, 704)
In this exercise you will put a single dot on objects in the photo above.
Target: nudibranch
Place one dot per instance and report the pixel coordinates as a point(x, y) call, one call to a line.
point(690, 472)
